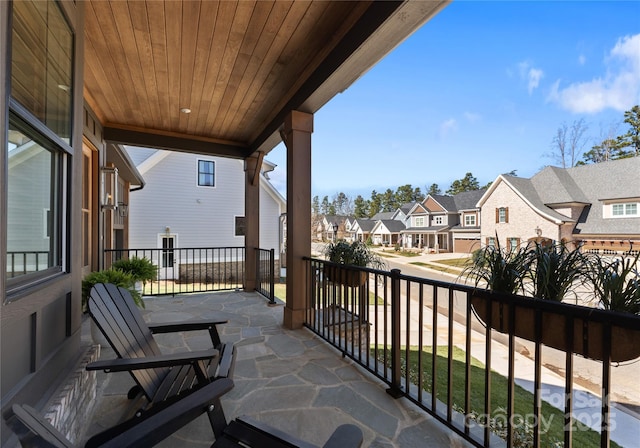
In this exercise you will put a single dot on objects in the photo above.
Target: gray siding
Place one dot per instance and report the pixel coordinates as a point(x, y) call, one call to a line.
point(199, 216)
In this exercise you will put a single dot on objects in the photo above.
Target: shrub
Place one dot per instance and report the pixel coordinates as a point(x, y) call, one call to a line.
point(115, 276)
point(141, 269)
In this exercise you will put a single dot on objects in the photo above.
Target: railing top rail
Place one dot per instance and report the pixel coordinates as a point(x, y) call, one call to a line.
point(621, 319)
point(172, 248)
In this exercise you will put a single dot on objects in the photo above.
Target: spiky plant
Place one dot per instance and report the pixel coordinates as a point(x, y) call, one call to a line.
point(500, 269)
point(616, 284)
point(554, 270)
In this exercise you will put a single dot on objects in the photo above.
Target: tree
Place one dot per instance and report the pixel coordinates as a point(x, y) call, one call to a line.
point(375, 204)
point(315, 205)
point(434, 189)
point(360, 207)
point(406, 193)
point(613, 147)
point(388, 201)
point(468, 183)
point(324, 207)
point(342, 204)
point(631, 139)
point(568, 142)
point(607, 150)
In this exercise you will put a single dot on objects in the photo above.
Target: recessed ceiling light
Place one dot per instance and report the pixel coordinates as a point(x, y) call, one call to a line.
point(185, 110)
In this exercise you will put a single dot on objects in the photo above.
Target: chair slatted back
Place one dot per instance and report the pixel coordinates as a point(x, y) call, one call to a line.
point(116, 314)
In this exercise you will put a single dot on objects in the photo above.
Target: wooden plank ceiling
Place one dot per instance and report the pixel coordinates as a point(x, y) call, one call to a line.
point(238, 66)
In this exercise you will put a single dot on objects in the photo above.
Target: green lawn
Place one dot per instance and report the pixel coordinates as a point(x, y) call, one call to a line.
point(552, 419)
point(437, 267)
point(455, 262)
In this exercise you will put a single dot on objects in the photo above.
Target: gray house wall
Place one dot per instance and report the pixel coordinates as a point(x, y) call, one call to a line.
point(199, 216)
point(40, 320)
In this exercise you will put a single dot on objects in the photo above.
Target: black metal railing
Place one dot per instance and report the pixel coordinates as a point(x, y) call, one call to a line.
point(457, 353)
point(184, 270)
point(22, 263)
point(265, 260)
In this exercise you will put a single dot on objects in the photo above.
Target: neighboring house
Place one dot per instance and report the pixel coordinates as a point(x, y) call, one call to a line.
point(594, 206)
point(361, 229)
point(203, 207)
point(328, 224)
point(387, 231)
point(443, 223)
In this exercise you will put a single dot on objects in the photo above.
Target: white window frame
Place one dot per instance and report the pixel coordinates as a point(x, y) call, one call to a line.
point(419, 221)
point(438, 220)
point(624, 210)
point(468, 219)
point(502, 215)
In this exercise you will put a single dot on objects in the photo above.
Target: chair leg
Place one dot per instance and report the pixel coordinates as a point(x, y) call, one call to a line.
point(217, 418)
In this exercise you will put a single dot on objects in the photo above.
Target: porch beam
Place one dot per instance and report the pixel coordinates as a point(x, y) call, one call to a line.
point(174, 142)
point(298, 127)
point(252, 220)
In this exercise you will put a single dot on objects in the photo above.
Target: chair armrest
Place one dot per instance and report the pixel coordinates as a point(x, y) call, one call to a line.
point(345, 436)
point(150, 362)
point(155, 427)
point(192, 325)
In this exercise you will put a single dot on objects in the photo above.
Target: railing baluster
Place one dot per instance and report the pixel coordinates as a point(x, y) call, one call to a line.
point(606, 385)
point(467, 367)
point(511, 309)
point(568, 385)
point(434, 349)
point(487, 369)
point(450, 358)
point(537, 377)
point(395, 390)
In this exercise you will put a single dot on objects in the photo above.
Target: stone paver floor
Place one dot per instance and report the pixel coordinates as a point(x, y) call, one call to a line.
point(290, 379)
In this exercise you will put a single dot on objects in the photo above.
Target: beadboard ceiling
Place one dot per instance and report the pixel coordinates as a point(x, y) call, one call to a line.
point(239, 67)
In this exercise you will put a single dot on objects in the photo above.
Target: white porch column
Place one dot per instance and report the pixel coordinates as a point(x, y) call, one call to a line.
point(298, 127)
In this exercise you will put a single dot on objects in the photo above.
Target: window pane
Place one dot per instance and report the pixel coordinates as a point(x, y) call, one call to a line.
point(206, 176)
point(41, 65)
point(631, 209)
point(33, 206)
point(618, 209)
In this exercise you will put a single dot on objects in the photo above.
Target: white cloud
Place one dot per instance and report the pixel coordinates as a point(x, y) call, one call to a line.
point(618, 89)
point(472, 117)
point(447, 127)
point(531, 75)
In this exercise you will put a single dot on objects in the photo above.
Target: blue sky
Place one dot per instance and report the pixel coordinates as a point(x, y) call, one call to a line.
point(482, 87)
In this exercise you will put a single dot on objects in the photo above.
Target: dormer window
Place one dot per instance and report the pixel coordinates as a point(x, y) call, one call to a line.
point(627, 209)
point(469, 220)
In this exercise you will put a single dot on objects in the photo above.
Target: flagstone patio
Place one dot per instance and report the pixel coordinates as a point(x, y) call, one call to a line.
point(290, 379)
